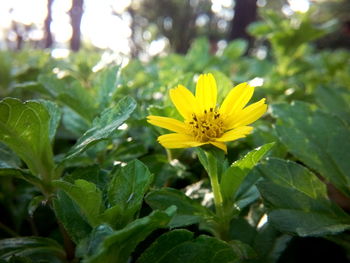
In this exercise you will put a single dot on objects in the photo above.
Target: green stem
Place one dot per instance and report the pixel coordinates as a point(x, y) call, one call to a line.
point(214, 181)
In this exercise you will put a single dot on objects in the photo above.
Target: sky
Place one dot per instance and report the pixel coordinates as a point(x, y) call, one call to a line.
point(97, 15)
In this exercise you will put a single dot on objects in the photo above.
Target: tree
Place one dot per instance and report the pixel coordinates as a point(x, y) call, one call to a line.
point(76, 13)
point(48, 41)
point(245, 12)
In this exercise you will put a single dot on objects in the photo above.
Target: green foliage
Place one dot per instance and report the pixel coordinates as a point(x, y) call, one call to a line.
point(307, 210)
point(32, 247)
point(104, 126)
point(181, 246)
point(118, 245)
point(318, 139)
point(70, 171)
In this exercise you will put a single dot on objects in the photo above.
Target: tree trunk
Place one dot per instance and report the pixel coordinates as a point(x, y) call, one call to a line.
point(245, 13)
point(48, 41)
point(76, 14)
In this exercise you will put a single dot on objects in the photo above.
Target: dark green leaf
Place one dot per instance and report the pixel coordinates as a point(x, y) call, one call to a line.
point(306, 210)
point(318, 139)
point(126, 190)
point(179, 246)
point(24, 127)
point(8, 158)
point(188, 211)
point(31, 247)
point(70, 216)
point(104, 127)
point(87, 196)
point(334, 100)
point(118, 246)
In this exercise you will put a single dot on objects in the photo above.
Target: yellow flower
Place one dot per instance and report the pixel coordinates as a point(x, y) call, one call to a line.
point(206, 123)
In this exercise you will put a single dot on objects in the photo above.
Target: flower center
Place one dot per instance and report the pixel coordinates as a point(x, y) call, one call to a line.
point(206, 126)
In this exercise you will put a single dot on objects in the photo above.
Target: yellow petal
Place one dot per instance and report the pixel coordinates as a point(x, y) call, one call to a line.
point(235, 134)
point(167, 123)
point(183, 100)
point(220, 145)
point(249, 114)
point(237, 98)
point(176, 140)
point(206, 92)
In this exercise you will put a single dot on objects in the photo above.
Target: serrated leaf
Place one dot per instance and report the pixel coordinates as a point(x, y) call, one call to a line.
point(24, 127)
point(104, 126)
point(181, 246)
point(118, 246)
point(126, 190)
point(318, 139)
point(32, 247)
point(233, 177)
point(188, 211)
point(87, 196)
point(298, 200)
point(70, 216)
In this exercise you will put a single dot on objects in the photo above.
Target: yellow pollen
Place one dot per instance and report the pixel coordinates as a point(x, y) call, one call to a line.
point(206, 126)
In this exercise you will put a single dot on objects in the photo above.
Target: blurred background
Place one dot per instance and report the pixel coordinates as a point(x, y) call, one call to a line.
point(146, 28)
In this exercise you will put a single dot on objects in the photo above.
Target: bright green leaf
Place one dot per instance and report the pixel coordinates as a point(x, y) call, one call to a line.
point(24, 127)
point(233, 177)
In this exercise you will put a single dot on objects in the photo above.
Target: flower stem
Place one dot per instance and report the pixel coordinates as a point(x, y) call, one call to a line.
point(214, 181)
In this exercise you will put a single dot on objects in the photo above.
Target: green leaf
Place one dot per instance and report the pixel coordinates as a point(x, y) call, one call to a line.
point(118, 246)
point(55, 117)
point(269, 244)
point(336, 101)
point(32, 247)
point(188, 211)
point(92, 174)
point(70, 216)
point(126, 190)
point(298, 200)
point(235, 49)
point(318, 139)
point(233, 177)
point(87, 196)
point(181, 246)
point(8, 158)
point(71, 94)
point(107, 85)
point(24, 127)
point(104, 126)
